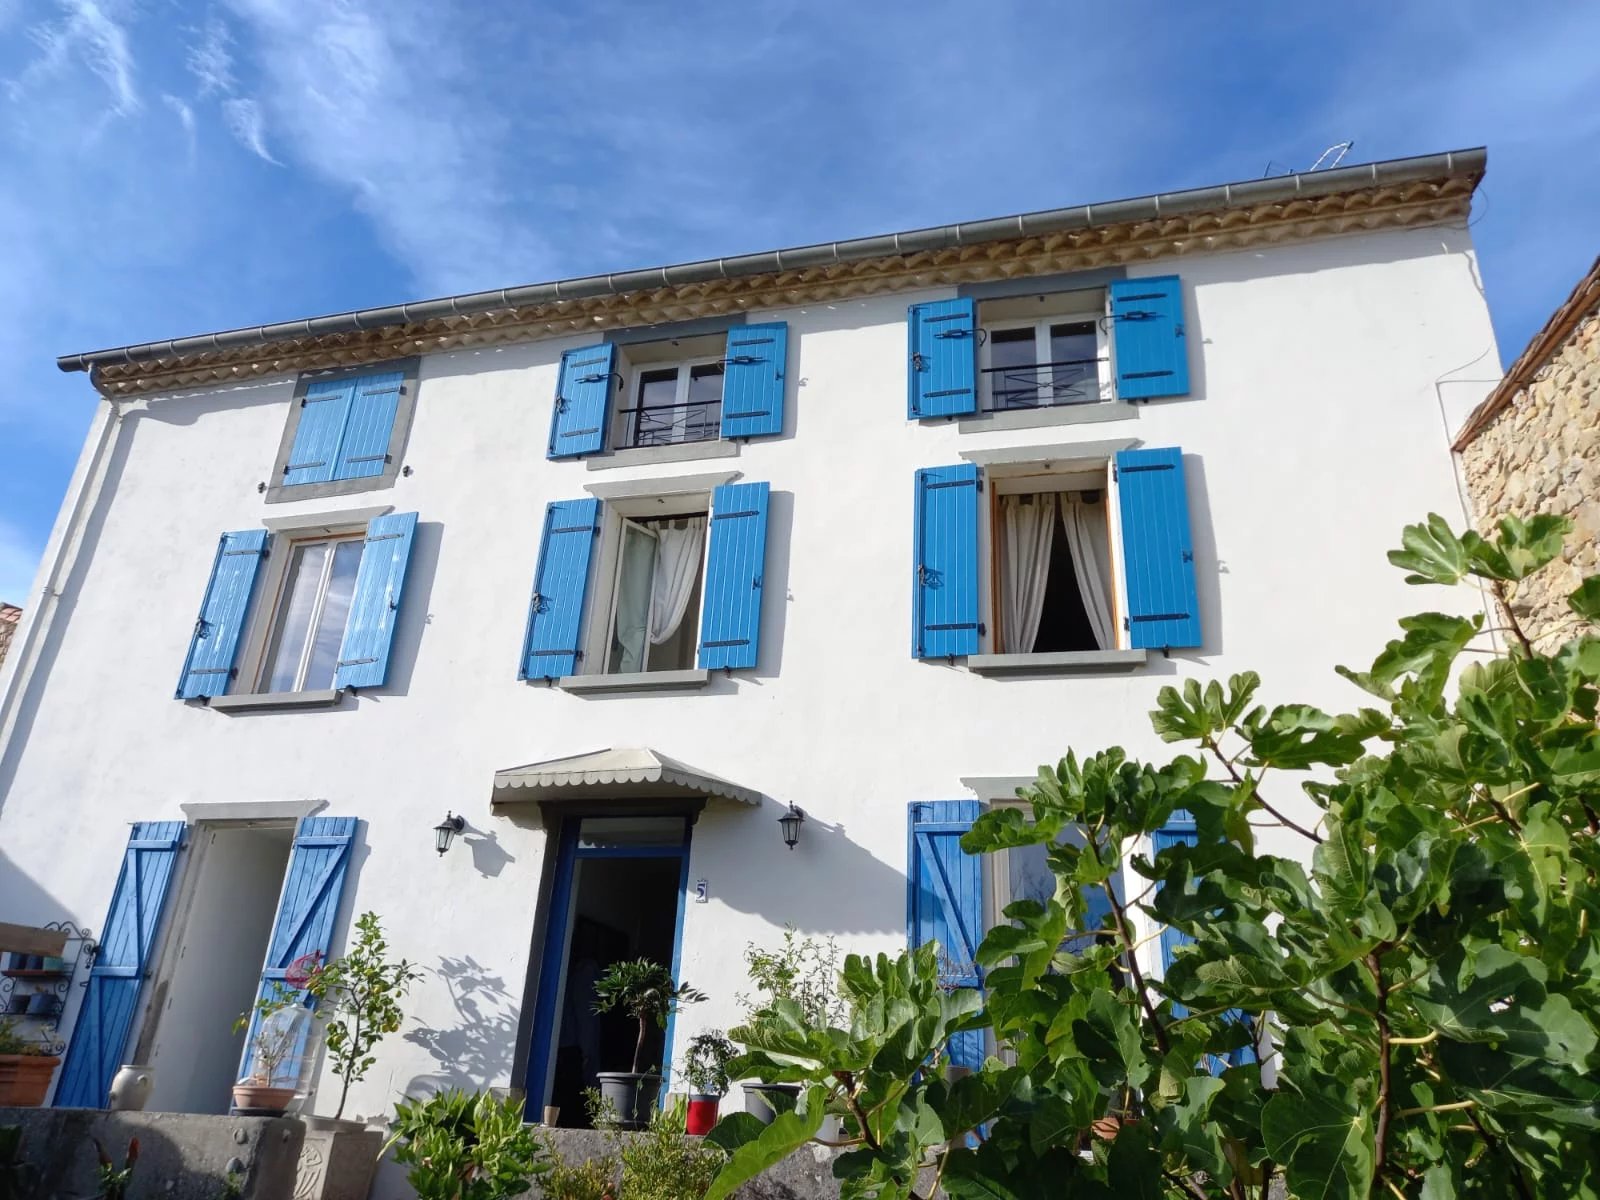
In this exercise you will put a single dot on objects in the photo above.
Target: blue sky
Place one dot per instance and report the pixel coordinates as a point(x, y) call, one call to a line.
point(169, 168)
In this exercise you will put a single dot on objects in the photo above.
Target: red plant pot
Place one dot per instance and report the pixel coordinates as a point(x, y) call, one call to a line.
point(702, 1115)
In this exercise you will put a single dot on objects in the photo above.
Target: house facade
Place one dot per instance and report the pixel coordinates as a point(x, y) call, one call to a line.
point(622, 570)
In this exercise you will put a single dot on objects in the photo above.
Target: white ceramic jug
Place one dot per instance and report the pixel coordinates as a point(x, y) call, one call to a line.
point(130, 1088)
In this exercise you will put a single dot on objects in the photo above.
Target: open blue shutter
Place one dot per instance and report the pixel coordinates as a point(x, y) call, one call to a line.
point(560, 583)
point(1157, 553)
point(1180, 831)
point(1147, 330)
point(730, 622)
point(127, 940)
point(324, 409)
point(944, 902)
point(364, 449)
point(312, 889)
point(944, 358)
point(945, 583)
point(753, 380)
point(208, 666)
point(375, 606)
point(583, 395)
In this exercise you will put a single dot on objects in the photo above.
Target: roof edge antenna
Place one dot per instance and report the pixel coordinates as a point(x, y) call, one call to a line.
point(1338, 150)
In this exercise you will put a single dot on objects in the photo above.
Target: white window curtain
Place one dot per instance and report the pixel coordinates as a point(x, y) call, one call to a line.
point(632, 626)
point(1085, 529)
point(680, 545)
point(1027, 532)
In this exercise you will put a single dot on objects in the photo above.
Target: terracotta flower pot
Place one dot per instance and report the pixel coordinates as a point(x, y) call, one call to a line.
point(25, 1078)
point(259, 1100)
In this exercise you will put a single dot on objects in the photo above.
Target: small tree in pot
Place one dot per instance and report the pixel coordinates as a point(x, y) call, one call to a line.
point(705, 1070)
point(646, 991)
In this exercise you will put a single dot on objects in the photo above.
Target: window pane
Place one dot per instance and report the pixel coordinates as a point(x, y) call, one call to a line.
point(596, 832)
point(294, 620)
point(650, 421)
point(704, 418)
point(335, 615)
point(1075, 375)
point(1013, 373)
point(630, 629)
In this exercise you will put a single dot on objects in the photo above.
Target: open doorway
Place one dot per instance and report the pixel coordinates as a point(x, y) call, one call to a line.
point(211, 970)
point(618, 895)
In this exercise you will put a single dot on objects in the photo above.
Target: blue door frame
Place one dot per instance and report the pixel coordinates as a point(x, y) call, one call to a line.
point(557, 938)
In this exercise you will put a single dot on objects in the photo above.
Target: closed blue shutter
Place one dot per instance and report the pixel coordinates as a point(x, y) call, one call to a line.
point(1180, 831)
point(364, 450)
point(208, 666)
point(944, 902)
point(753, 380)
point(560, 583)
point(324, 409)
point(127, 940)
point(583, 397)
point(944, 358)
point(1157, 553)
point(945, 582)
point(312, 890)
point(375, 606)
point(1148, 335)
point(730, 623)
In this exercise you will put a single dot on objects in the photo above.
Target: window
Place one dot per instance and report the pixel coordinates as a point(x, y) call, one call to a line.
point(346, 432)
point(1043, 352)
point(1023, 873)
point(655, 604)
point(668, 406)
point(1050, 565)
point(312, 609)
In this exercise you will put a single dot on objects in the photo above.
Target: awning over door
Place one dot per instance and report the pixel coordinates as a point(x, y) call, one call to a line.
point(614, 775)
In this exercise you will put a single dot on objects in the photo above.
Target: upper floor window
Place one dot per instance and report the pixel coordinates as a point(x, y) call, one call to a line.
point(346, 433)
point(309, 618)
point(655, 603)
point(670, 404)
point(1039, 359)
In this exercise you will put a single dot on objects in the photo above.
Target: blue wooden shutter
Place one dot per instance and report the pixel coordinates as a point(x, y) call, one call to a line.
point(127, 940)
point(561, 581)
point(944, 902)
point(1157, 553)
point(945, 580)
point(583, 400)
point(324, 409)
point(730, 621)
point(312, 889)
point(364, 449)
point(944, 358)
point(375, 606)
point(753, 380)
point(1180, 831)
point(208, 666)
point(1152, 349)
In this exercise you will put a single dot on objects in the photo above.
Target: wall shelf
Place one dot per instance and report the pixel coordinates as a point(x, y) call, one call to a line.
point(43, 1028)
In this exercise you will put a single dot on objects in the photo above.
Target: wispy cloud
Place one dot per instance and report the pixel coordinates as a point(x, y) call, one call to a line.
point(246, 123)
point(210, 61)
point(89, 33)
point(185, 116)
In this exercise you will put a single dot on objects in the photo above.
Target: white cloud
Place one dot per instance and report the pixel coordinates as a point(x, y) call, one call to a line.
point(185, 116)
point(89, 33)
point(210, 61)
point(245, 122)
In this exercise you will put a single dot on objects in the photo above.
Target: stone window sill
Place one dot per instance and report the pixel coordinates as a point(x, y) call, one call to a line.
point(639, 681)
point(641, 456)
point(265, 701)
point(1067, 662)
point(1036, 418)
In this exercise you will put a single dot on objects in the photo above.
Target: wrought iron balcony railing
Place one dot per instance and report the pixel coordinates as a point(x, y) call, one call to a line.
point(1042, 385)
point(671, 424)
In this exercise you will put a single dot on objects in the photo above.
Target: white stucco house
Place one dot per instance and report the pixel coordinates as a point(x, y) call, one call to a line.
point(621, 569)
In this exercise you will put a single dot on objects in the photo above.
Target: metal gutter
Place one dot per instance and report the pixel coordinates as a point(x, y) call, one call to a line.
point(1304, 185)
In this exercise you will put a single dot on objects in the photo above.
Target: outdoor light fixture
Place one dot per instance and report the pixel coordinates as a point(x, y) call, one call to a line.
point(790, 822)
point(446, 830)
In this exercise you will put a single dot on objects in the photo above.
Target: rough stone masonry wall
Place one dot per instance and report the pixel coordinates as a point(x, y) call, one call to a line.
point(1541, 454)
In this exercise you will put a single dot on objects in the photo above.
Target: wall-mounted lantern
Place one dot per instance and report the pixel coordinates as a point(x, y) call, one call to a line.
point(447, 829)
point(790, 822)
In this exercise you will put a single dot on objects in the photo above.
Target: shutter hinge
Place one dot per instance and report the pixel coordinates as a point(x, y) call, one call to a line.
point(917, 361)
point(1188, 556)
point(983, 630)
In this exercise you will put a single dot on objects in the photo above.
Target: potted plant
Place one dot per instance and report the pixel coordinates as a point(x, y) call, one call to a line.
point(705, 1070)
point(274, 1060)
point(25, 1069)
point(802, 969)
point(358, 1003)
point(646, 991)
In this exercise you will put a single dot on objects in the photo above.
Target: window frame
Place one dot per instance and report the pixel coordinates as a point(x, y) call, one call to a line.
point(1058, 308)
point(278, 611)
point(1027, 481)
point(678, 354)
point(278, 492)
point(624, 522)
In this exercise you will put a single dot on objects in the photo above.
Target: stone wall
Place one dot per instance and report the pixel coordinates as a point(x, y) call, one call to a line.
point(1536, 449)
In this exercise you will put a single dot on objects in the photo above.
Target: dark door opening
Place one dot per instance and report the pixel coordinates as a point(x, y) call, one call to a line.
point(617, 896)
